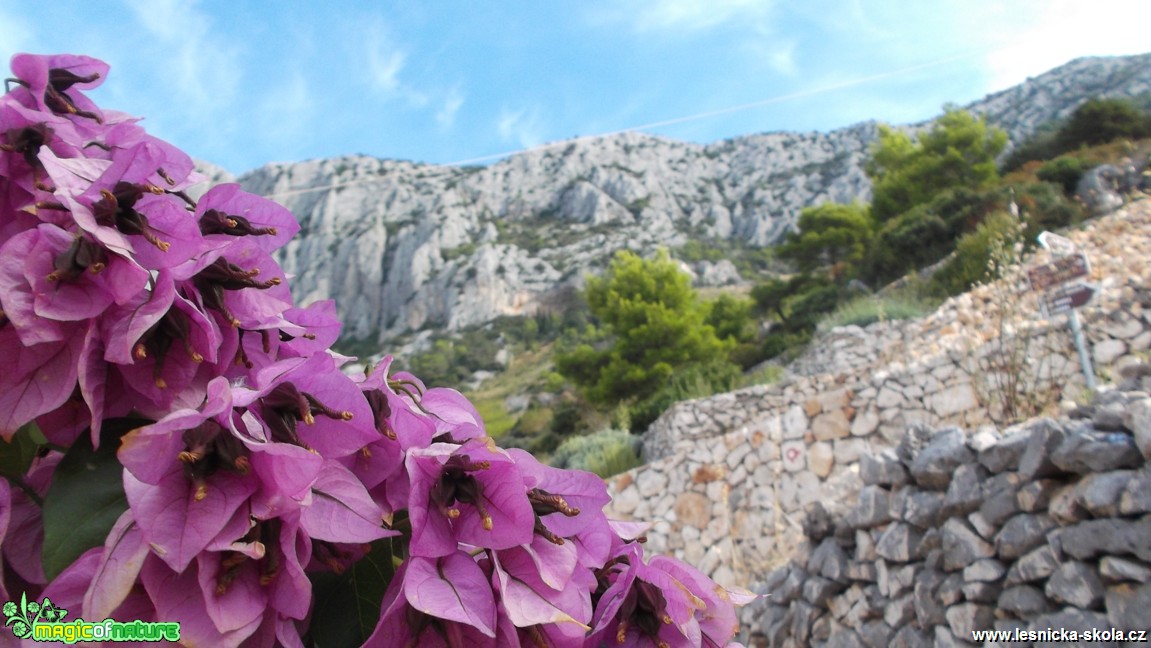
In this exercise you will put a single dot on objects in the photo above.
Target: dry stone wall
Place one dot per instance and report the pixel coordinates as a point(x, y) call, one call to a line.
point(1046, 525)
point(730, 477)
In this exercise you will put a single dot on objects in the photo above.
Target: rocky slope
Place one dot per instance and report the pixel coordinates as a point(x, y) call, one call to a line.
point(944, 518)
point(404, 246)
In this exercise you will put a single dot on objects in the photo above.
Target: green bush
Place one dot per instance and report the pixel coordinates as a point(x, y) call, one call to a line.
point(913, 239)
point(1098, 121)
point(605, 453)
point(695, 381)
point(1044, 207)
point(534, 421)
point(870, 309)
point(1064, 171)
point(730, 316)
point(656, 323)
point(972, 260)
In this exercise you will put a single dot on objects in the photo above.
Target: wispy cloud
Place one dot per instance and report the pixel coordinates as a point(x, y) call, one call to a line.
point(1107, 27)
point(694, 15)
point(195, 62)
point(524, 127)
point(15, 36)
point(291, 107)
point(446, 115)
point(386, 58)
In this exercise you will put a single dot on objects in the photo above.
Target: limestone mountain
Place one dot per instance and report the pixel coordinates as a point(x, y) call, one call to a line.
point(404, 246)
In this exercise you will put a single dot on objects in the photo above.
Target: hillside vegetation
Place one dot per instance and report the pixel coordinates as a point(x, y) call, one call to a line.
point(639, 338)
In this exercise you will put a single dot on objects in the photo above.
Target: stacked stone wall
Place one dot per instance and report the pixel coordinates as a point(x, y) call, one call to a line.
point(729, 478)
point(1046, 525)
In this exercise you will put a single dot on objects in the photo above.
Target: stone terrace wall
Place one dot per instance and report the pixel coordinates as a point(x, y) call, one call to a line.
point(1047, 525)
point(730, 476)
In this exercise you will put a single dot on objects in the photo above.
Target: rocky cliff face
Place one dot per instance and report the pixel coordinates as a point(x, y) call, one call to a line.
point(405, 246)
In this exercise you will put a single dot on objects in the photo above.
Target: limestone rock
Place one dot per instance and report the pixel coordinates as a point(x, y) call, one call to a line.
point(1045, 437)
point(882, 469)
point(1093, 452)
point(1114, 569)
point(1022, 533)
point(1112, 536)
point(1127, 605)
point(962, 545)
point(1075, 583)
point(1024, 601)
point(934, 466)
point(1037, 564)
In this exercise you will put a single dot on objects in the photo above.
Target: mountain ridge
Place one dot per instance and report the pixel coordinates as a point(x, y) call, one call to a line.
point(406, 247)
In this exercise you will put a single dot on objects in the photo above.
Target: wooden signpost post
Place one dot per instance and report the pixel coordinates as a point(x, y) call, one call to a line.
point(1062, 290)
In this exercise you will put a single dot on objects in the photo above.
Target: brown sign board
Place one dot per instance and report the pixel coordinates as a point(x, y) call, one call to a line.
point(1059, 271)
point(1067, 298)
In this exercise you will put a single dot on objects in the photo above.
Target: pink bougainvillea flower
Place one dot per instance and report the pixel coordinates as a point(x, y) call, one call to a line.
point(444, 601)
point(36, 380)
point(455, 417)
point(663, 602)
point(472, 494)
point(226, 210)
point(52, 83)
point(341, 510)
point(566, 502)
point(543, 588)
point(401, 426)
point(309, 403)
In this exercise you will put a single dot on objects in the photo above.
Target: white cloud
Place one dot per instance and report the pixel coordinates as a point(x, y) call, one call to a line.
point(446, 115)
point(386, 58)
point(15, 36)
point(384, 67)
point(198, 62)
point(524, 127)
point(289, 107)
point(1064, 30)
point(696, 14)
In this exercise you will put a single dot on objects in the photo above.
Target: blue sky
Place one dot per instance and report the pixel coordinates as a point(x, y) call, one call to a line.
point(242, 84)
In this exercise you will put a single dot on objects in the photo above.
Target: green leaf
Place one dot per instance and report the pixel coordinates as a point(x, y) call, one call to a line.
point(86, 497)
point(348, 605)
point(17, 455)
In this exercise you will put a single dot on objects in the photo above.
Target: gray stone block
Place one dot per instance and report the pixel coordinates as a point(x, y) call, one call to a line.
point(882, 469)
point(982, 592)
point(1005, 454)
point(962, 619)
point(1068, 618)
point(899, 542)
point(984, 571)
point(1075, 583)
point(912, 637)
point(1024, 601)
point(1100, 494)
point(923, 508)
point(962, 545)
point(1037, 564)
point(1116, 570)
point(1034, 496)
point(1022, 533)
point(829, 560)
point(1045, 437)
point(875, 634)
point(928, 611)
point(1128, 606)
point(1089, 451)
point(965, 493)
point(937, 462)
point(871, 510)
point(1092, 538)
point(1136, 497)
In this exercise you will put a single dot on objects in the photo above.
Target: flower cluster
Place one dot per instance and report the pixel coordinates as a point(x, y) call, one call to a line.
point(251, 463)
